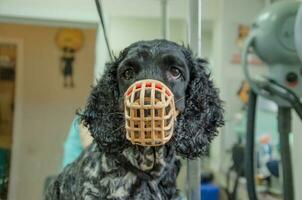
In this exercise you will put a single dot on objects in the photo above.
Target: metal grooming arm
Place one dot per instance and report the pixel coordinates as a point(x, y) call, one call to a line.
point(193, 166)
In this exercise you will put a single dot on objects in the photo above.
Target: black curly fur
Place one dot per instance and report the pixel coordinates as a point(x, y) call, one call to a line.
point(195, 128)
point(203, 114)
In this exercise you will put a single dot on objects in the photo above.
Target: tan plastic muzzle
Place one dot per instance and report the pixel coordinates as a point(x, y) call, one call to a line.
point(149, 113)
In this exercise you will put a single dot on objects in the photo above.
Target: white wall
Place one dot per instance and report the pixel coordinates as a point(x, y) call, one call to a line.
point(207, 46)
point(102, 55)
point(296, 158)
point(85, 11)
point(76, 10)
point(124, 31)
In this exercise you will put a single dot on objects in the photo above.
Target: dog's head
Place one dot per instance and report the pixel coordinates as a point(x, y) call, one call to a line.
point(195, 96)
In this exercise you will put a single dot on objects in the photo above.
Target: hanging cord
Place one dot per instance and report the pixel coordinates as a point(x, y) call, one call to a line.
point(100, 12)
point(249, 156)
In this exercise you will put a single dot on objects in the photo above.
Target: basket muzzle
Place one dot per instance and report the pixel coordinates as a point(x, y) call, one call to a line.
point(149, 113)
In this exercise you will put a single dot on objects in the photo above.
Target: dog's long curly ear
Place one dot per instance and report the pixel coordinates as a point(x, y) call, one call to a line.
point(203, 114)
point(101, 114)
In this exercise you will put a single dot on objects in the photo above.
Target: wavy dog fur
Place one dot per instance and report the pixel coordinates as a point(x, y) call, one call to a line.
point(113, 168)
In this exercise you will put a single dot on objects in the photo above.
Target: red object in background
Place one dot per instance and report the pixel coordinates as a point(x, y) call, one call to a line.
point(252, 59)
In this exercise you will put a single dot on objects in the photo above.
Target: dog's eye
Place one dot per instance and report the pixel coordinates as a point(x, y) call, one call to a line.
point(175, 72)
point(128, 74)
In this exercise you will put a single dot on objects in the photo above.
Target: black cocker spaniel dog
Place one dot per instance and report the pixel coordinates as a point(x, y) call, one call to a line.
point(112, 167)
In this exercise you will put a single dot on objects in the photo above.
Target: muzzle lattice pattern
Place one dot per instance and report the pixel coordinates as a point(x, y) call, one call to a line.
point(149, 113)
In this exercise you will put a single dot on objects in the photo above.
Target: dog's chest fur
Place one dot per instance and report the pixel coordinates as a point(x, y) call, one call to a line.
point(137, 173)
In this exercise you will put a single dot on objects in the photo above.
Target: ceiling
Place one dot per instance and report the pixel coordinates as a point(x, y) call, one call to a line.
point(84, 11)
point(145, 8)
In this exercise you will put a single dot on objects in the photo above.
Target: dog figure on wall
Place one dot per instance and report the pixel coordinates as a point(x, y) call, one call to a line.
point(154, 102)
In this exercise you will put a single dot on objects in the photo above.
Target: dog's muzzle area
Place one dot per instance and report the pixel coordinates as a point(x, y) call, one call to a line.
point(150, 113)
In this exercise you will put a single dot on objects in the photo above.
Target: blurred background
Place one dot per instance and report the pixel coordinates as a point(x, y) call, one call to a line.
point(51, 52)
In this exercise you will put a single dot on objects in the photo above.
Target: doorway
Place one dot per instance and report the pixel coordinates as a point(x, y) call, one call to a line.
point(8, 66)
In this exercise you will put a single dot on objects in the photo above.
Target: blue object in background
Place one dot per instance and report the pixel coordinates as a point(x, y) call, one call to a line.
point(4, 162)
point(73, 146)
point(273, 167)
point(4, 172)
point(209, 191)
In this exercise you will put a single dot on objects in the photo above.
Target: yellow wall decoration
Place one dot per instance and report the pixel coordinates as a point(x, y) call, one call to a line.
point(69, 40)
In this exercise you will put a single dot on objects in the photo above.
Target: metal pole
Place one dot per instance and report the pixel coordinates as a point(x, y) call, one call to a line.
point(195, 26)
point(165, 20)
point(249, 154)
point(193, 166)
point(284, 128)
